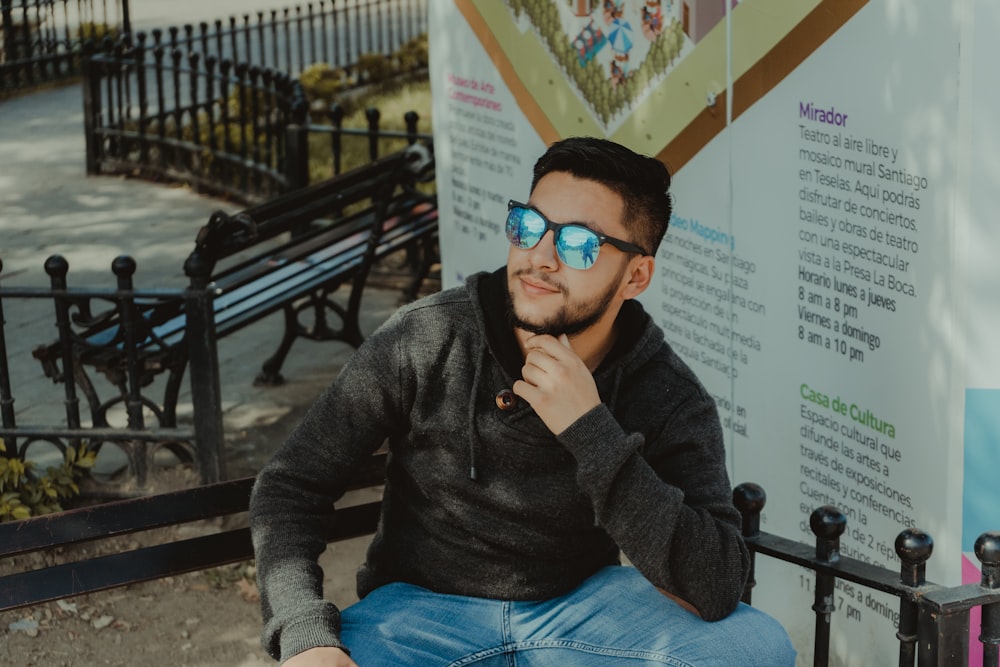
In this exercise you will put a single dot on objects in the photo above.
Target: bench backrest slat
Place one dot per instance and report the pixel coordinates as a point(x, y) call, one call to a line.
point(158, 561)
point(123, 517)
point(291, 211)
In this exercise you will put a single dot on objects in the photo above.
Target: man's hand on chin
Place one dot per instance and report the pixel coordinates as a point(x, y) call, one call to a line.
point(557, 383)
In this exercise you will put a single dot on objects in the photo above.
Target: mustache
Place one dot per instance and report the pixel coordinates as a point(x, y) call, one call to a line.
point(539, 278)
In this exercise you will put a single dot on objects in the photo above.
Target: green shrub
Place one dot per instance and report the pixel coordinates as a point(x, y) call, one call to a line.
point(375, 68)
point(323, 83)
point(24, 494)
point(413, 54)
point(392, 104)
point(96, 32)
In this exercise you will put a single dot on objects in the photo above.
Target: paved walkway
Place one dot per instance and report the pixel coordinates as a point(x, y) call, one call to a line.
point(48, 205)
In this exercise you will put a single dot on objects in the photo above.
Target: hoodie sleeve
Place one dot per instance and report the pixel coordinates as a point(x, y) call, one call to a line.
point(667, 503)
point(291, 507)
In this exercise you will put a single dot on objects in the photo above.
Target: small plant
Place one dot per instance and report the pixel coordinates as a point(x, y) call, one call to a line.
point(90, 30)
point(413, 54)
point(322, 83)
point(375, 68)
point(23, 493)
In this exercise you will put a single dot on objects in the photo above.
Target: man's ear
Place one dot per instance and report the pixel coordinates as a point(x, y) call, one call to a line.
point(640, 273)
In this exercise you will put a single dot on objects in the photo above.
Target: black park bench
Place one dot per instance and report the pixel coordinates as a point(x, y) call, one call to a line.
point(933, 627)
point(290, 253)
point(23, 583)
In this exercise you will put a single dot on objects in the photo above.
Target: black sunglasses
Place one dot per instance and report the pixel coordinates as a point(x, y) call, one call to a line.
point(576, 245)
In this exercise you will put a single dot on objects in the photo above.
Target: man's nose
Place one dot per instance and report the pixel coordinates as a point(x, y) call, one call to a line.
point(543, 256)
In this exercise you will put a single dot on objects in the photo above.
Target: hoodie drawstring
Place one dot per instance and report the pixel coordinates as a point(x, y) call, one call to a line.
point(474, 432)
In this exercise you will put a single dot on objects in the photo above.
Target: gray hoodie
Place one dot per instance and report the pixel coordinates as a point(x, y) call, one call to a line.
point(485, 501)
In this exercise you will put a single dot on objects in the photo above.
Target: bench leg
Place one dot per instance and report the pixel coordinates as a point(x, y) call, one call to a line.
point(171, 392)
point(349, 331)
point(270, 374)
point(422, 268)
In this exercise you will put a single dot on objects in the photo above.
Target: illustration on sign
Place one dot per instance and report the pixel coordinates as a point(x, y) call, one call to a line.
point(610, 67)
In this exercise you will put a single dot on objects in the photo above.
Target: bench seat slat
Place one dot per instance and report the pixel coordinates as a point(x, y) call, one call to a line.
point(158, 561)
point(237, 304)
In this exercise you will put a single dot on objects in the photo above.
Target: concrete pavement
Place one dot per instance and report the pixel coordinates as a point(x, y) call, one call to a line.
point(49, 205)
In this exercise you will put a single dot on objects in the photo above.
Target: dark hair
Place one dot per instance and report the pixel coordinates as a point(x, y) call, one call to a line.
point(642, 182)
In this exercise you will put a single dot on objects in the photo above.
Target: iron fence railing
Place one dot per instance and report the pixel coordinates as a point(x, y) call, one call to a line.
point(40, 40)
point(335, 32)
point(120, 410)
point(168, 116)
point(156, 108)
point(133, 374)
point(934, 625)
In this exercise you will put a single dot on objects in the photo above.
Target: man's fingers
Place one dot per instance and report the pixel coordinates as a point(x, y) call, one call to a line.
point(526, 390)
point(542, 368)
point(541, 350)
point(554, 347)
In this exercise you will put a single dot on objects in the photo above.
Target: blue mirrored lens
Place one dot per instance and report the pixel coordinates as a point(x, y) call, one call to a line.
point(577, 247)
point(525, 228)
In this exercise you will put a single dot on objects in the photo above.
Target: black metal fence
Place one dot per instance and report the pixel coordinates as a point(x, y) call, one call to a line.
point(120, 411)
point(176, 106)
point(291, 39)
point(122, 360)
point(222, 128)
point(40, 40)
point(934, 625)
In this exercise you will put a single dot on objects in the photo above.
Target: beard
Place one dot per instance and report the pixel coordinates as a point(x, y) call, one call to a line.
point(572, 317)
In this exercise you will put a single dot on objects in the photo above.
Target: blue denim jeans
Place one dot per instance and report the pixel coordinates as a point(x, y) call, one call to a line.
point(615, 617)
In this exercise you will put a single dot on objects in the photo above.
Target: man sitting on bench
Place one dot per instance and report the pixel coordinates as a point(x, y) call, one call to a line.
point(539, 426)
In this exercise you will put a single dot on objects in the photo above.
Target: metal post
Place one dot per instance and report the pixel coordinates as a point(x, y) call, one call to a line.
point(828, 524)
point(126, 20)
point(9, 42)
point(373, 115)
point(288, 43)
point(312, 35)
point(197, 161)
point(261, 45)
point(140, 58)
point(234, 41)
point(336, 115)
point(91, 71)
point(300, 39)
point(247, 42)
point(203, 360)
point(297, 141)
point(57, 268)
point(913, 547)
point(255, 112)
point(178, 111)
point(750, 499)
point(124, 268)
point(942, 637)
point(411, 118)
point(988, 552)
point(6, 398)
point(161, 114)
